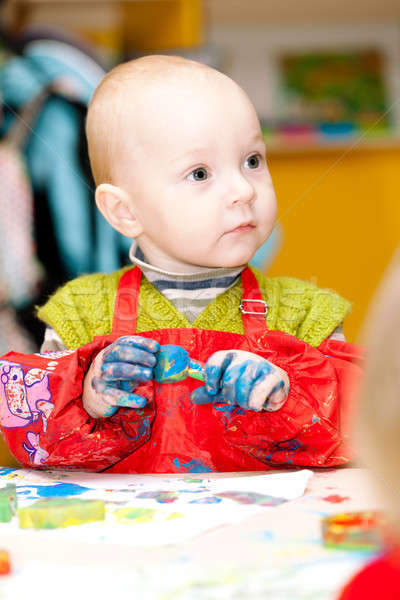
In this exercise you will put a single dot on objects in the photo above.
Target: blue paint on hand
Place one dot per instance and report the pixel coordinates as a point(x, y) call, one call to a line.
point(231, 377)
point(125, 363)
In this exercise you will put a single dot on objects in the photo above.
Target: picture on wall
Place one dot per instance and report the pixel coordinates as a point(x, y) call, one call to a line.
point(336, 91)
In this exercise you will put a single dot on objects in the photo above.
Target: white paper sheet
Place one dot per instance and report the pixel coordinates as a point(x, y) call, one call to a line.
point(162, 510)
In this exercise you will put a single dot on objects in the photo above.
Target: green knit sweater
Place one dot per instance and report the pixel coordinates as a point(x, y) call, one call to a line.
point(84, 308)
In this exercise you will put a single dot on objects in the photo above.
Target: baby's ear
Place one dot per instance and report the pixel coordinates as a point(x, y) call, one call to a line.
point(115, 206)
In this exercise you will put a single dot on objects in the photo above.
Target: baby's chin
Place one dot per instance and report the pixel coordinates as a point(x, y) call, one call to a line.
point(228, 262)
point(226, 258)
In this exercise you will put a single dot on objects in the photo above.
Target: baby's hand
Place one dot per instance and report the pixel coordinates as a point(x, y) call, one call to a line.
point(243, 378)
point(116, 372)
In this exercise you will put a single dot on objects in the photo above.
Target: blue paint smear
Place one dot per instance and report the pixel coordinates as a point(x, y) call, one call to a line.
point(193, 466)
point(199, 490)
point(51, 491)
point(266, 536)
point(142, 432)
point(6, 470)
point(208, 500)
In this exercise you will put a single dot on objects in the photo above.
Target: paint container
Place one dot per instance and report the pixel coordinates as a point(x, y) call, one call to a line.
point(5, 566)
point(354, 531)
point(51, 513)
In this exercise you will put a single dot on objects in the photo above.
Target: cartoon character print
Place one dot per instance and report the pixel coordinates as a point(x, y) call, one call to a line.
point(58, 354)
point(24, 397)
point(13, 380)
point(37, 455)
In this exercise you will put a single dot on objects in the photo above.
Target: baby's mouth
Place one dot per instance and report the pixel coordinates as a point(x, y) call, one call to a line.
point(243, 228)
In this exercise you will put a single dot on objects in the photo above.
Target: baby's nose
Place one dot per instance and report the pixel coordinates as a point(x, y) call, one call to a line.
point(242, 190)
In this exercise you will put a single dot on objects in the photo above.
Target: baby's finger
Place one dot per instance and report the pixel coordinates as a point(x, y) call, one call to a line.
point(215, 369)
point(128, 385)
point(262, 389)
point(128, 354)
point(277, 397)
point(122, 398)
point(200, 396)
point(245, 379)
point(122, 370)
point(97, 407)
point(138, 341)
point(109, 411)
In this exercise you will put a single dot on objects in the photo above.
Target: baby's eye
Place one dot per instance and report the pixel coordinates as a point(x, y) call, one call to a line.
point(199, 174)
point(252, 162)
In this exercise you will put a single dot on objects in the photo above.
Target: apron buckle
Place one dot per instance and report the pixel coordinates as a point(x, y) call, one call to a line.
point(252, 312)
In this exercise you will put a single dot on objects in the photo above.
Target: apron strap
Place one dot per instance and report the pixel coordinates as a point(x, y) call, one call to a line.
point(126, 303)
point(253, 308)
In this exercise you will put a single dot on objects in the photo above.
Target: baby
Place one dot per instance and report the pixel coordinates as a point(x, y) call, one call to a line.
point(179, 162)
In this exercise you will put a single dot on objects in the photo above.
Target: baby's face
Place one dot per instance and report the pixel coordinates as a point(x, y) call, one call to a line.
point(197, 178)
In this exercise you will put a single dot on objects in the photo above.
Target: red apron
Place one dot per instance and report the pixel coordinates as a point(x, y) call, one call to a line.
point(45, 425)
point(219, 437)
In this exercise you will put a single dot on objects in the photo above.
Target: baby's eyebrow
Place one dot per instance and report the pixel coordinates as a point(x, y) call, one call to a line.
point(190, 154)
point(257, 136)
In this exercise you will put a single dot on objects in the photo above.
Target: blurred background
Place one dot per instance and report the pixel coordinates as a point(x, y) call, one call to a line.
point(325, 80)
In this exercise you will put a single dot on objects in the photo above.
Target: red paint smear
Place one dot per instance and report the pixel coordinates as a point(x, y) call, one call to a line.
point(335, 498)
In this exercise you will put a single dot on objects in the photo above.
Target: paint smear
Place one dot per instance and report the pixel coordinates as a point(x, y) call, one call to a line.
point(132, 515)
point(266, 536)
point(207, 500)
point(335, 498)
point(174, 515)
point(161, 496)
point(251, 498)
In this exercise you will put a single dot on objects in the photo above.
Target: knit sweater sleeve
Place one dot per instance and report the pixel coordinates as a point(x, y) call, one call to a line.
point(82, 309)
point(301, 308)
point(323, 310)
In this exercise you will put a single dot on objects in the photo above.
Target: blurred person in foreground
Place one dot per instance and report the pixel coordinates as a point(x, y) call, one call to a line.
point(378, 433)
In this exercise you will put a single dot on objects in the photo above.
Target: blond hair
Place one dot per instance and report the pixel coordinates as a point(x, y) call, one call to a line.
point(378, 422)
point(116, 95)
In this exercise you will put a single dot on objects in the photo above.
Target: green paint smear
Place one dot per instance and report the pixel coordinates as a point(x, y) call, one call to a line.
point(134, 515)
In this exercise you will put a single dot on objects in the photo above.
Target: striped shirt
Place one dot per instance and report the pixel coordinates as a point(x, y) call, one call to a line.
point(191, 292)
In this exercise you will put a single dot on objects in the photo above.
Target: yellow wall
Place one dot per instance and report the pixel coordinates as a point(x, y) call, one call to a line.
point(162, 24)
point(340, 215)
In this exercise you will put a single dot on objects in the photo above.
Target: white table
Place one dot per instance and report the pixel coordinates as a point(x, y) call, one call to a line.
point(282, 545)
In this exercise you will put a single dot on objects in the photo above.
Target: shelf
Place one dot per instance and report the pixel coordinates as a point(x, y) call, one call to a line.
point(293, 11)
point(332, 146)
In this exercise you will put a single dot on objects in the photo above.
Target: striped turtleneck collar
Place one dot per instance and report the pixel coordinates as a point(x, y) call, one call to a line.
point(189, 292)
